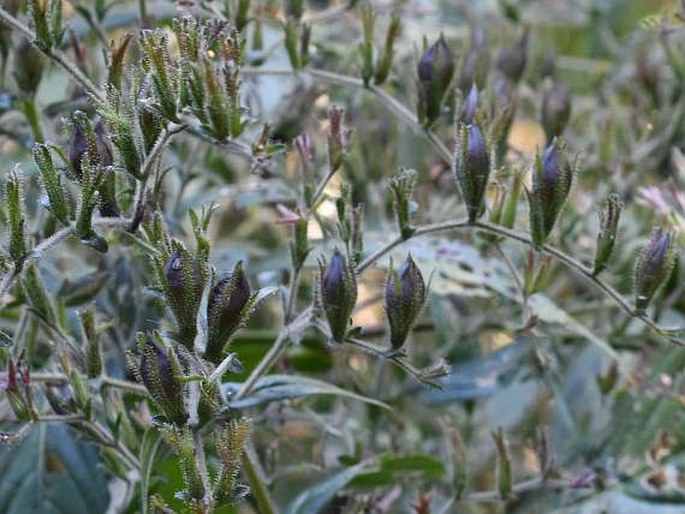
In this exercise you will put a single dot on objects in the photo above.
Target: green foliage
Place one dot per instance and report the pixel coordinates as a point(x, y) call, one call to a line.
point(199, 306)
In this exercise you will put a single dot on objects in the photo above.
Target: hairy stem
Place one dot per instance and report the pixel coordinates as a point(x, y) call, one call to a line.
point(558, 255)
point(257, 480)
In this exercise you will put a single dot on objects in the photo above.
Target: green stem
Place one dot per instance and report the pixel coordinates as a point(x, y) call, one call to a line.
point(28, 107)
point(257, 480)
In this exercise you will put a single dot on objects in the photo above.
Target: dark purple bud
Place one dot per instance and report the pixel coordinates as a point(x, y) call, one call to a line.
point(511, 61)
point(470, 106)
point(552, 180)
point(653, 267)
point(472, 168)
point(183, 284)
point(338, 295)
point(435, 71)
point(226, 310)
point(86, 139)
point(556, 110)
point(160, 375)
point(405, 294)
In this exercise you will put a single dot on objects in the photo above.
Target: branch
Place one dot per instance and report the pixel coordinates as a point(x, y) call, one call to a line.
point(560, 256)
point(59, 236)
point(390, 102)
point(54, 55)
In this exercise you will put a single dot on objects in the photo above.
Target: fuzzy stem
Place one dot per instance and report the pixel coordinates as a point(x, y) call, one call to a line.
point(255, 476)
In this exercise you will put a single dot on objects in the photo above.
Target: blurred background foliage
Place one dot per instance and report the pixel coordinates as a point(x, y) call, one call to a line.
point(606, 393)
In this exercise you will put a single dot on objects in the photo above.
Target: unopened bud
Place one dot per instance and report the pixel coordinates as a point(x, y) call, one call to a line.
point(405, 294)
point(470, 106)
point(338, 295)
point(88, 139)
point(653, 267)
point(512, 61)
point(226, 310)
point(28, 68)
point(338, 137)
point(608, 229)
point(160, 373)
point(183, 284)
point(435, 71)
point(472, 169)
point(552, 180)
point(556, 110)
point(475, 63)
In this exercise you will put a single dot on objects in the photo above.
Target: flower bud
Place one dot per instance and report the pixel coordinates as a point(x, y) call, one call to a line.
point(653, 267)
point(28, 68)
point(552, 180)
point(159, 372)
point(90, 140)
point(472, 168)
point(608, 228)
point(339, 137)
point(435, 71)
point(470, 106)
point(511, 61)
point(183, 284)
point(338, 295)
point(405, 293)
point(556, 110)
point(226, 310)
point(475, 63)
point(18, 392)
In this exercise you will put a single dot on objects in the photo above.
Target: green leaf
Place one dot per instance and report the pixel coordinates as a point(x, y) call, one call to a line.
point(428, 467)
point(52, 472)
point(273, 388)
point(315, 498)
